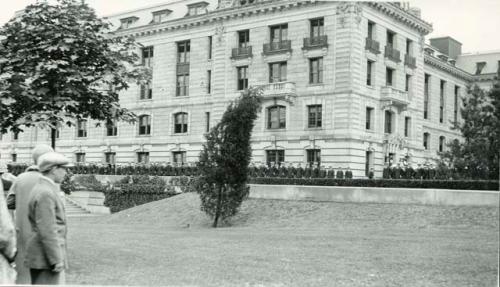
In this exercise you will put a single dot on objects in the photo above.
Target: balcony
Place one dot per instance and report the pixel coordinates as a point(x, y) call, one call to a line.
point(241, 52)
point(392, 54)
point(183, 68)
point(394, 97)
point(284, 90)
point(315, 42)
point(410, 61)
point(284, 46)
point(372, 46)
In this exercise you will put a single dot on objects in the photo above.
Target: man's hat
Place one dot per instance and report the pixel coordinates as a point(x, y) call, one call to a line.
point(39, 150)
point(52, 159)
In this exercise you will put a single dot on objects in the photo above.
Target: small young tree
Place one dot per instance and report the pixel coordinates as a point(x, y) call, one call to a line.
point(225, 158)
point(477, 155)
point(59, 63)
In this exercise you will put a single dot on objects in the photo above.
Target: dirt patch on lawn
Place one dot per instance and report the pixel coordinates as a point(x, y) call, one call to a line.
point(184, 211)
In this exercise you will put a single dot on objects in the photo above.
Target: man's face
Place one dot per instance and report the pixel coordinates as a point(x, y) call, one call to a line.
point(59, 174)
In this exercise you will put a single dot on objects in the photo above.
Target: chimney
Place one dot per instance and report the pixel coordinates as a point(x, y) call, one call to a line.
point(447, 45)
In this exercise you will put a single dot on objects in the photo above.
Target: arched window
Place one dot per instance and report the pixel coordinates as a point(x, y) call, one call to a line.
point(427, 138)
point(180, 123)
point(144, 125)
point(276, 117)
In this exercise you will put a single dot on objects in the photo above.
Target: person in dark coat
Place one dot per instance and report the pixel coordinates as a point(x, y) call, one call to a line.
point(46, 249)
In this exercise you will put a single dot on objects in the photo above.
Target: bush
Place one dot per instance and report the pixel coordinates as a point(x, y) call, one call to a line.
point(127, 195)
point(16, 168)
point(68, 185)
point(402, 183)
point(90, 182)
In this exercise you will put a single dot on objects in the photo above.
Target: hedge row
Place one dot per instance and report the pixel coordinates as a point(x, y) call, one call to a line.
point(404, 183)
point(125, 196)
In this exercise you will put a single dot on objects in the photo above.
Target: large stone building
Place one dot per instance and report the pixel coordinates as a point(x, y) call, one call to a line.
point(346, 84)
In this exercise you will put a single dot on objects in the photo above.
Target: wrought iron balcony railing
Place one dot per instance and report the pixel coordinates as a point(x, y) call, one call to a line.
point(241, 52)
point(316, 42)
point(392, 54)
point(277, 47)
point(410, 61)
point(372, 46)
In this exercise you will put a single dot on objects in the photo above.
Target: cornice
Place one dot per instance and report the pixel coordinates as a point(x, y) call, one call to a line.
point(485, 77)
point(448, 68)
point(402, 16)
point(265, 7)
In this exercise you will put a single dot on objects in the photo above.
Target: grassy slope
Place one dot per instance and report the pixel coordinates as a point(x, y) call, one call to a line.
point(285, 243)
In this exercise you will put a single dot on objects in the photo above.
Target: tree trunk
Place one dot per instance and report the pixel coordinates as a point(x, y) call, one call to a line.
point(218, 207)
point(53, 133)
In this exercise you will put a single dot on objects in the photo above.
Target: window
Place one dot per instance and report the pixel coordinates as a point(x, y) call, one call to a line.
point(407, 126)
point(317, 27)
point(209, 82)
point(182, 88)
point(144, 125)
point(279, 33)
point(313, 157)
point(275, 156)
point(111, 128)
point(14, 157)
point(426, 96)
point(197, 8)
point(408, 83)
point(369, 72)
point(316, 71)
point(426, 140)
point(183, 50)
point(143, 157)
point(455, 105)
point(409, 47)
point(160, 16)
point(243, 38)
point(314, 116)
point(276, 117)
point(179, 157)
point(127, 22)
point(147, 56)
point(277, 72)
point(242, 78)
point(391, 36)
point(441, 143)
point(209, 47)
point(389, 73)
point(207, 120)
point(110, 157)
point(146, 92)
point(479, 67)
point(180, 123)
point(369, 118)
point(368, 162)
point(80, 157)
point(371, 30)
point(388, 122)
point(81, 128)
point(441, 100)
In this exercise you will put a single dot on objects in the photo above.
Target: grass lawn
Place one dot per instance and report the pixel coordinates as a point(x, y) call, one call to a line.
point(278, 243)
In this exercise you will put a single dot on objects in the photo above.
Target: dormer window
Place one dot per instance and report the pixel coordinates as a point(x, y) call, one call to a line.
point(479, 67)
point(127, 22)
point(197, 8)
point(160, 16)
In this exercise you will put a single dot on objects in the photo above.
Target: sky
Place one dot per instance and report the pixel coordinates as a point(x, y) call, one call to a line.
point(474, 23)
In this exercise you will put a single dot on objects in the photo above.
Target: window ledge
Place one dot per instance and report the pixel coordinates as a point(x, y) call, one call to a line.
point(314, 128)
point(316, 85)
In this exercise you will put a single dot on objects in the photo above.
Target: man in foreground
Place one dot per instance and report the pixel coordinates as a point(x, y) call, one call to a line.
point(18, 199)
point(46, 249)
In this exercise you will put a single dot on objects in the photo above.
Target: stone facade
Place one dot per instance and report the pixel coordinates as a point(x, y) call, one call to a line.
point(308, 113)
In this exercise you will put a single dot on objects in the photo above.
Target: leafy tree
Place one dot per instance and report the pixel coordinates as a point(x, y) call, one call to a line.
point(60, 63)
point(225, 157)
point(477, 155)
